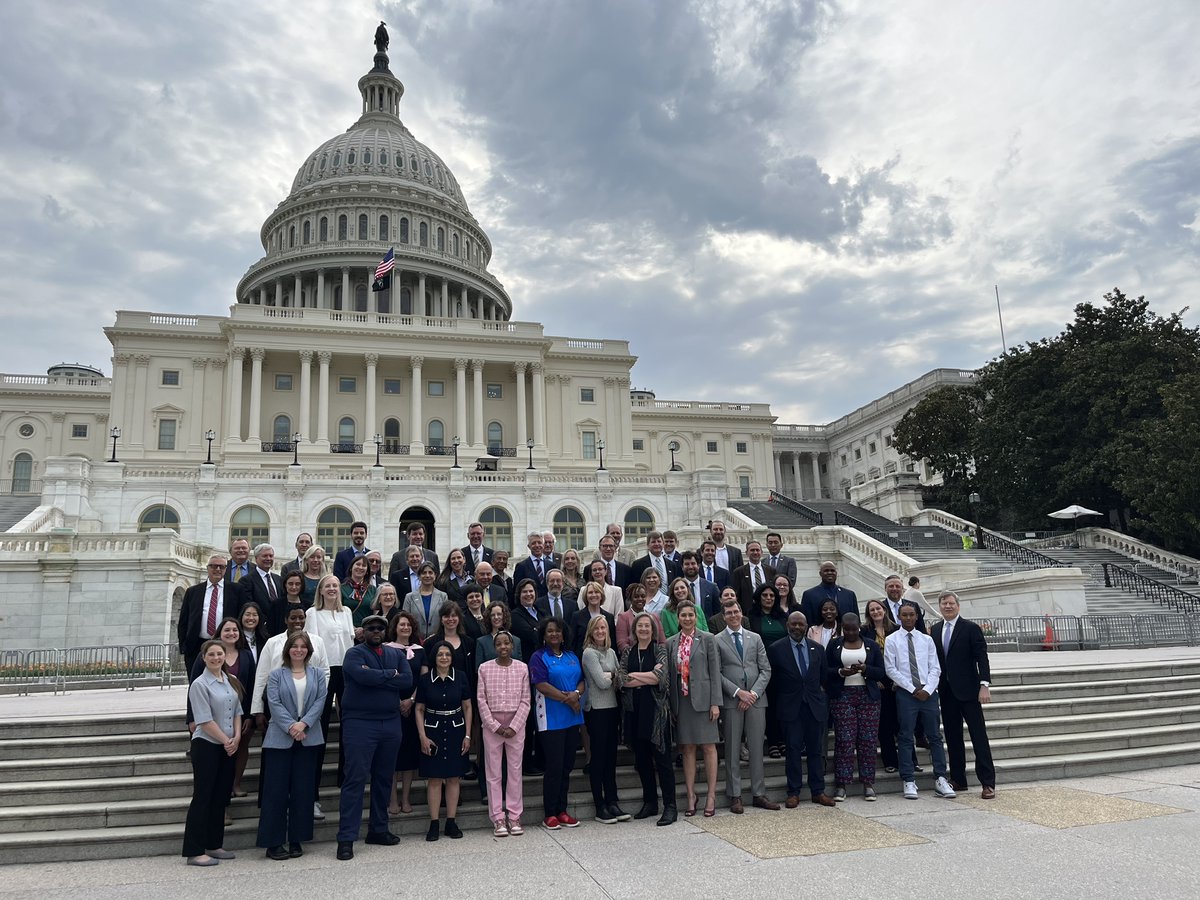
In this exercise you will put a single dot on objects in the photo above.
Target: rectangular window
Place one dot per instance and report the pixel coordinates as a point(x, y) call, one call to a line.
point(347, 384)
point(170, 377)
point(741, 447)
point(887, 440)
point(79, 431)
point(495, 392)
point(587, 395)
point(437, 389)
point(743, 485)
point(824, 469)
point(391, 385)
point(166, 434)
point(858, 452)
point(843, 460)
point(283, 382)
point(639, 444)
point(710, 446)
point(589, 445)
point(871, 447)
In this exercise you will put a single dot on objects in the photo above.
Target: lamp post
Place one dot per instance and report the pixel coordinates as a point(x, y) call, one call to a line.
point(529, 444)
point(674, 448)
point(600, 447)
point(296, 448)
point(209, 436)
point(456, 443)
point(378, 444)
point(114, 433)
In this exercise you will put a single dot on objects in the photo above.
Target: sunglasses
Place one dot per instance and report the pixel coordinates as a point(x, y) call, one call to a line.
point(375, 628)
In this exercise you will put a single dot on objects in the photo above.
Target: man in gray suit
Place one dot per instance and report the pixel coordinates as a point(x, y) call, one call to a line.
point(783, 565)
point(745, 672)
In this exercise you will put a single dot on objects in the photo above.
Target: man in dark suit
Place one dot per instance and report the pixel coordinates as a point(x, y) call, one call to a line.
point(798, 672)
point(535, 565)
point(966, 686)
point(501, 576)
point(404, 577)
point(358, 547)
point(239, 565)
point(204, 606)
point(304, 540)
point(264, 587)
point(656, 558)
point(671, 546)
point(893, 587)
point(783, 565)
point(747, 578)
point(554, 559)
point(709, 570)
point(415, 536)
point(828, 589)
point(704, 592)
point(619, 574)
point(493, 591)
point(475, 551)
point(728, 556)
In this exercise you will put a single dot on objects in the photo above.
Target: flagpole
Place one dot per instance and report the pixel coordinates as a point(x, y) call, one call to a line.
point(1000, 316)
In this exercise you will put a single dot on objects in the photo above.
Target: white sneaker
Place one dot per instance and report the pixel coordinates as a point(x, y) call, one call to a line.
point(942, 788)
point(318, 813)
point(910, 790)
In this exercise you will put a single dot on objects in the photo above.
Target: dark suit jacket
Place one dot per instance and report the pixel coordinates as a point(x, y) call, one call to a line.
point(920, 626)
point(525, 569)
point(735, 557)
point(487, 556)
point(341, 562)
point(525, 627)
point(399, 561)
point(740, 578)
point(579, 624)
point(642, 563)
point(624, 576)
point(710, 598)
point(229, 582)
point(187, 630)
point(786, 567)
point(811, 600)
point(253, 589)
point(875, 672)
point(794, 692)
point(292, 565)
point(400, 579)
point(506, 582)
point(967, 662)
point(720, 577)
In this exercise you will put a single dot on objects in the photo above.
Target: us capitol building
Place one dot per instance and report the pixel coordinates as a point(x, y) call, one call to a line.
point(318, 401)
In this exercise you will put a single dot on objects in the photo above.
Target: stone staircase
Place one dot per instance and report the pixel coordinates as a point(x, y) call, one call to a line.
point(112, 785)
point(15, 507)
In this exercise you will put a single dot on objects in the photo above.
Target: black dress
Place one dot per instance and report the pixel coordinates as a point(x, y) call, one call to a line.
point(409, 757)
point(639, 721)
point(439, 695)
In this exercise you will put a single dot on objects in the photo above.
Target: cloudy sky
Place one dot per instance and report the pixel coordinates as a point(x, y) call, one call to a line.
point(801, 202)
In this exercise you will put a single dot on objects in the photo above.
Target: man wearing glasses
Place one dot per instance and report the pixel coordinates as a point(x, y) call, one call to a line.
point(204, 606)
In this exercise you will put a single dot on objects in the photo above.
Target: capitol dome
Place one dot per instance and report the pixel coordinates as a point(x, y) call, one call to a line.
point(372, 188)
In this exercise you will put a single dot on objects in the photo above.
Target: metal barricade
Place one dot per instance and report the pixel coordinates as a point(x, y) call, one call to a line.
point(12, 670)
point(43, 667)
point(103, 665)
point(1109, 632)
point(1165, 631)
point(149, 663)
point(1001, 634)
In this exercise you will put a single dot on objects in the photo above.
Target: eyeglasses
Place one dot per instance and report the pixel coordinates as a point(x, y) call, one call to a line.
point(216, 566)
point(375, 628)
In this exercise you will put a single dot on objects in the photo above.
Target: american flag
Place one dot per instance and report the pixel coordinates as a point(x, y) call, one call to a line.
point(383, 269)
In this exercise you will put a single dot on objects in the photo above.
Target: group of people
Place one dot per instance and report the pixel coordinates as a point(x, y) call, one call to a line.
point(466, 672)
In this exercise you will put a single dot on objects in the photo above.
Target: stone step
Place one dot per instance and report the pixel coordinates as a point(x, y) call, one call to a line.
point(1034, 709)
point(1028, 746)
point(1094, 723)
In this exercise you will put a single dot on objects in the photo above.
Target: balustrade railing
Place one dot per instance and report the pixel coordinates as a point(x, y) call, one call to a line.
point(806, 512)
point(1018, 552)
point(894, 541)
point(1164, 594)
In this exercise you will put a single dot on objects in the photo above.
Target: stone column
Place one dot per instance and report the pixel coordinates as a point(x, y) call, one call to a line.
point(419, 303)
point(522, 427)
point(278, 292)
point(369, 421)
point(323, 357)
point(417, 428)
point(256, 363)
point(778, 472)
point(120, 388)
point(796, 476)
point(320, 298)
point(297, 294)
point(305, 395)
point(445, 298)
point(233, 429)
point(816, 470)
point(478, 436)
point(612, 431)
point(141, 374)
point(262, 295)
point(460, 398)
point(347, 301)
point(56, 433)
point(196, 428)
point(539, 404)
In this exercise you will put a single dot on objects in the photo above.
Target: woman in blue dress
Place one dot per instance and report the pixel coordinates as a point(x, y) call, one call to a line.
point(443, 717)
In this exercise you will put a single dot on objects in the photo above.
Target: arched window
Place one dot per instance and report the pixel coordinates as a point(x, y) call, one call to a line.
point(292, 236)
point(406, 302)
point(437, 434)
point(345, 430)
point(495, 436)
point(321, 167)
point(333, 529)
point(404, 230)
point(350, 158)
point(391, 435)
point(159, 516)
point(337, 158)
point(366, 157)
point(424, 234)
point(281, 429)
point(412, 162)
point(639, 522)
point(342, 226)
point(439, 174)
point(569, 528)
point(441, 238)
point(307, 233)
point(455, 245)
point(497, 528)
point(324, 232)
point(382, 157)
point(22, 480)
point(250, 523)
point(362, 227)
point(428, 170)
point(383, 228)
point(360, 298)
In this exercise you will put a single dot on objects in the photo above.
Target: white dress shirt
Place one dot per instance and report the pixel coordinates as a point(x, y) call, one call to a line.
point(895, 660)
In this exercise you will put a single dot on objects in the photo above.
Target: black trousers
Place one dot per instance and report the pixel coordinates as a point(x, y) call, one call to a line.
point(212, 780)
point(602, 730)
point(805, 739)
point(649, 761)
point(335, 690)
point(287, 797)
point(558, 747)
point(954, 713)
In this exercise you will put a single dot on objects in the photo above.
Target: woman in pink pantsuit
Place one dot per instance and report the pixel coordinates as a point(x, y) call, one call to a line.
point(503, 700)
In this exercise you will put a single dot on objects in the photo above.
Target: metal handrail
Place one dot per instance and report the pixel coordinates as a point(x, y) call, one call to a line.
point(1165, 594)
point(1022, 554)
point(893, 541)
point(345, 447)
point(797, 507)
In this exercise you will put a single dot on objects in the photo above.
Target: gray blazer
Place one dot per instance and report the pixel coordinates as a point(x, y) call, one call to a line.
point(786, 567)
point(415, 605)
point(750, 672)
point(704, 683)
point(281, 700)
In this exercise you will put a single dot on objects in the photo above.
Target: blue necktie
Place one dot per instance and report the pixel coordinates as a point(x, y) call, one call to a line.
point(801, 657)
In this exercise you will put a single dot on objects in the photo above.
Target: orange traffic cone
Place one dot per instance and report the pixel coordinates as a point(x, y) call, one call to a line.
point(1049, 642)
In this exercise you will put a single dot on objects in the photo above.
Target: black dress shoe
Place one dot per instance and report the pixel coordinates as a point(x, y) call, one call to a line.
point(452, 830)
point(277, 853)
point(670, 814)
point(295, 851)
point(604, 816)
point(345, 850)
point(534, 771)
point(434, 831)
point(385, 838)
point(648, 811)
point(622, 816)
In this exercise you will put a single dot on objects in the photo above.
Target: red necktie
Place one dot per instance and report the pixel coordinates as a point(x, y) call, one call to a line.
point(212, 613)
